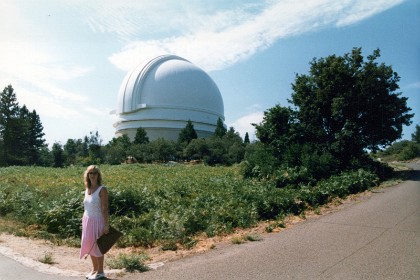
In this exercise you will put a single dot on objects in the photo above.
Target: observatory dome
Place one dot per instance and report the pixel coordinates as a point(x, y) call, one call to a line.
point(162, 94)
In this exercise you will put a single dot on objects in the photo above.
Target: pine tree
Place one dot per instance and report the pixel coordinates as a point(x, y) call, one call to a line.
point(141, 136)
point(188, 133)
point(220, 128)
point(36, 139)
point(9, 112)
point(246, 140)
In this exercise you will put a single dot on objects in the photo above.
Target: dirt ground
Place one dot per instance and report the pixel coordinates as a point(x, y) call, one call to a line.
point(65, 260)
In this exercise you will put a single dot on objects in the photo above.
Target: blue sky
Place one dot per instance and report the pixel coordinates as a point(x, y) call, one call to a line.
point(67, 58)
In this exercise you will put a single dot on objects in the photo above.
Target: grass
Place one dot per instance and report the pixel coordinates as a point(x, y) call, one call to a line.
point(157, 205)
point(253, 237)
point(47, 258)
point(237, 240)
point(131, 263)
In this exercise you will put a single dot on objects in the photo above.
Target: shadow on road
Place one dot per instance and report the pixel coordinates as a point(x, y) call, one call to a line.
point(413, 174)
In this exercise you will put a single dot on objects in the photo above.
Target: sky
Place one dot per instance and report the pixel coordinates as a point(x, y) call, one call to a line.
point(66, 59)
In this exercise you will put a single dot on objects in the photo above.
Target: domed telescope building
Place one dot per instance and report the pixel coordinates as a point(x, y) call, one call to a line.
point(161, 95)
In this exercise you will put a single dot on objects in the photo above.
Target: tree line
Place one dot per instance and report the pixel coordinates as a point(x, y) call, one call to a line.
point(225, 147)
point(22, 143)
point(346, 108)
point(21, 132)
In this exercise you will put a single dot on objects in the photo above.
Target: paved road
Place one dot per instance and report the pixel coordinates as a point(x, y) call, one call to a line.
point(378, 238)
point(12, 270)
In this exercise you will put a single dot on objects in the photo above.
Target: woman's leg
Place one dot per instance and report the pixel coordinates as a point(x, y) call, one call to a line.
point(95, 263)
point(100, 264)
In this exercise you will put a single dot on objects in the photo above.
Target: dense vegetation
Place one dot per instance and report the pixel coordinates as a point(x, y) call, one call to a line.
point(334, 119)
point(161, 204)
point(402, 150)
point(305, 155)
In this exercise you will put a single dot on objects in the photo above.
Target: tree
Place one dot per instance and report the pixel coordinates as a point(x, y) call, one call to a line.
point(94, 143)
point(246, 139)
point(415, 137)
point(36, 139)
point(350, 103)
point(118, 149)
point(197, 149)
point(187, 134)
point(276, 129)
point(70, 152)
point(9, 112)
point(220, 130)
point(58, 155)
point(344, 107)
point(21, 131)
point(163, 150)
point(141, 136)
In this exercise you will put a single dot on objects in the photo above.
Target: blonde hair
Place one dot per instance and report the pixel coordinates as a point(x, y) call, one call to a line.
point(86, 176)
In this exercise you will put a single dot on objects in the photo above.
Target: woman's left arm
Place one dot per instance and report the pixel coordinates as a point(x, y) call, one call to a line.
point(104, 208)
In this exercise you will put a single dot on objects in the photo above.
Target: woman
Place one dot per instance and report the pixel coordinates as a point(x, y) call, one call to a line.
point(95, 220)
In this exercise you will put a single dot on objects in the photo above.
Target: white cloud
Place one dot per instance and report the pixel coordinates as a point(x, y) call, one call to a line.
point(364, 9)
point(415, 85)
point(222, 38)
point(244, 124)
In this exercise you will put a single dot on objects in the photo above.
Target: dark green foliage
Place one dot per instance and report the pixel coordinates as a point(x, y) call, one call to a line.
point(259, 161)
point(246, 139)
point(141, 136)
point(163, 150)
point(117, 149)
point(58, 155)
point(21, 132)
point(226, 150)
point(340, 99)
point(402, 150)
point(345, 106)
point(187, 134)
point(220, 130)
point(197, 149)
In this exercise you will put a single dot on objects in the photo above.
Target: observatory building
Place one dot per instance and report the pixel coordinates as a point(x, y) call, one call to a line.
point(162, 94)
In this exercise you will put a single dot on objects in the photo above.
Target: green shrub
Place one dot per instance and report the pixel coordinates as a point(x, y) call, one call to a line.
point(130, 263)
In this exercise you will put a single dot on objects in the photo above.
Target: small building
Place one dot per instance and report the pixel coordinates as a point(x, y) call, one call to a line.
point(162, 94)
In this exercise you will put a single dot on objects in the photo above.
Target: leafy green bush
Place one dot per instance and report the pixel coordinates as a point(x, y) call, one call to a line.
point(130, 263)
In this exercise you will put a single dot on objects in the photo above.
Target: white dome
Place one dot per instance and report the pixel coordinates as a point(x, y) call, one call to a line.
point(162, 94)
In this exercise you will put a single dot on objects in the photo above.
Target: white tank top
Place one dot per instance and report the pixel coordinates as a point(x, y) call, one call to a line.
point(92, 203)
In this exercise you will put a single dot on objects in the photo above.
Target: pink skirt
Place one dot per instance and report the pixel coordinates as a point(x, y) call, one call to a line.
point(92, 229)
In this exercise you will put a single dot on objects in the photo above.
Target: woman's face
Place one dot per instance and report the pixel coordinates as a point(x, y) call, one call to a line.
point(93, 175)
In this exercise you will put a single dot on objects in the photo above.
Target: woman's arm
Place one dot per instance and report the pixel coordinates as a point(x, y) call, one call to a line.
point(104, 208)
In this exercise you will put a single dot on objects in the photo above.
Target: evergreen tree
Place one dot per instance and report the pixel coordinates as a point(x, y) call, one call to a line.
point(141, 136)
point(21, 131)
point(70, 152)
point(9, 112)
point(94, 142)
point(187, 134)
point(220, 130)
point(58, 155)
point(36, 139)
point(246, 140)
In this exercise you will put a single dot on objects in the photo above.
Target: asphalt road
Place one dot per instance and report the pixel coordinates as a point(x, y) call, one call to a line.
point(377, 238)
